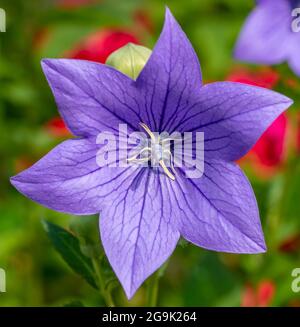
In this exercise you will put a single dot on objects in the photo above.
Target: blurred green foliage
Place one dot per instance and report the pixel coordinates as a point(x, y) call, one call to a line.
point(36, 274)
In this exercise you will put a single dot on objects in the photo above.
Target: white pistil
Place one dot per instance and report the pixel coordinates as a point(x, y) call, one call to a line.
point(156, 152)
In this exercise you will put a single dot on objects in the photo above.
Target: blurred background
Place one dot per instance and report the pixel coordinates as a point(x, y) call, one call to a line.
point(30, 126)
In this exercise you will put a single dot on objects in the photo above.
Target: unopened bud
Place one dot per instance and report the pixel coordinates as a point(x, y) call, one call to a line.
point(130, 59)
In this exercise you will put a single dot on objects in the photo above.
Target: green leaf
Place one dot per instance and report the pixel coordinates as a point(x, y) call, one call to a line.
point(209, 281)
point(68, 246)
point(86, 229)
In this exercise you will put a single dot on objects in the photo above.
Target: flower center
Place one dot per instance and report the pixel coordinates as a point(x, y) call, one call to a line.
point(158, 153)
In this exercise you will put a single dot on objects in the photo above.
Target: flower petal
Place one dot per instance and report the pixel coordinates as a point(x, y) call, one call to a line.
point(92, 97)
point(233, 116)
point(294, 58)
point(170, 77)
point(267, 33)
point(138, 230)
point(219, 210)
point(68, 179)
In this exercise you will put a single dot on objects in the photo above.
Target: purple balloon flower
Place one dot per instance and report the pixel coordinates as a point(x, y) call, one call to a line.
point(145, 210)
point(271, 34)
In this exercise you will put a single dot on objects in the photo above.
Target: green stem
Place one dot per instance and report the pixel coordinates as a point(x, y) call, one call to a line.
point(153, 283)
point(101, 284)
point(152, 291)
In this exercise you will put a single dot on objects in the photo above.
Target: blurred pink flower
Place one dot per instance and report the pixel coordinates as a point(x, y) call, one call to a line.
point(260, 296)
point(99, 45)
point(248, 297)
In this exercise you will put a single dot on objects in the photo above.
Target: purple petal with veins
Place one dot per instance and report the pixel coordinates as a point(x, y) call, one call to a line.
point(139, 231)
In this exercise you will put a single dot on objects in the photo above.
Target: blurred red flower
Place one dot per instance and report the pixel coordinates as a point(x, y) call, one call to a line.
point(291, 244)
point(261, 296)
point(143, 20)
point(270, 147)
point(265, 77)
point(21, 163)
point(268, 153)
point(57, 128)
point(99, 45)
point(291, 83)
point(40, 38)
point(265, 293)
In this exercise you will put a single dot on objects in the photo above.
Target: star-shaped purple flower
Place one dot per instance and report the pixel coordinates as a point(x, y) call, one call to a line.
point(271, 34)
point(144, 211)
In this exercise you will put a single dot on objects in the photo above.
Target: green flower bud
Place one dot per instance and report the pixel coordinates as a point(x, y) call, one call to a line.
point(130, 59)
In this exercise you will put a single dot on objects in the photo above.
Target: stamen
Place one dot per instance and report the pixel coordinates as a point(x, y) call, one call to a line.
point(166, 170)
point(136, 156)
point(171, 160)
point(156, 153)
point(147, 129)
point(140, 161)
